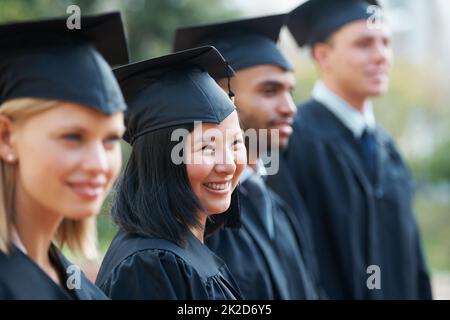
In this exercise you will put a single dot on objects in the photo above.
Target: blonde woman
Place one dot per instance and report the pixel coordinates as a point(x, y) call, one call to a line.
point(61, 119)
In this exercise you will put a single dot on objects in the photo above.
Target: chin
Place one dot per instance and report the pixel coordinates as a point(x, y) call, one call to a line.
point(218, 209)
point(376, 92)
point(283, 144)
point(81, 213)
point(280, 146)
point(377, 89)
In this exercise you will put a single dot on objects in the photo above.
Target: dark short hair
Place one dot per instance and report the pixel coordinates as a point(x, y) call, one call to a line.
point(154, 197)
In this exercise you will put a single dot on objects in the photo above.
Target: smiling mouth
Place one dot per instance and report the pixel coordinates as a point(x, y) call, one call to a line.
point(87, 191)
point(218, 186)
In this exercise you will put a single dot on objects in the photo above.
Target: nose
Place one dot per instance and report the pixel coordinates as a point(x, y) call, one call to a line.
point(95, 158)
point(226, 164)
point(382, 52)
point(287, 106)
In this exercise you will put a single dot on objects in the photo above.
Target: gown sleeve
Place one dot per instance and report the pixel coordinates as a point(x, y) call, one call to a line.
point(423, 275)
point(154, 274)
point(3, 293)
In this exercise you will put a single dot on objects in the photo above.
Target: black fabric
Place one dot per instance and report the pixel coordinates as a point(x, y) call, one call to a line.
point(43, 59)
point(244, 43)
point(22, 279)
point(357, 223)
point(105, 31)
point(265, 268)
point(143, 268)
point(173, 90)
point(369, 150)
point(315, 20)
point(285, 187)
point(262, 200)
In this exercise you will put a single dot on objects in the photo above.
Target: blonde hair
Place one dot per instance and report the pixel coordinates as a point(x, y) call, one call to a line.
point(79, 235)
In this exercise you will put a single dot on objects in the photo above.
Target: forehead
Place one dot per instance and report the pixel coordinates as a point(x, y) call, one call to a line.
point(362, 29)
point(265, 73)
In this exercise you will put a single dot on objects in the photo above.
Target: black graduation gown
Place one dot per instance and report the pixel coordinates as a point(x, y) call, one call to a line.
point(356, 222)
point(284, 186)
point(21, 278)
point(265, 268)
point(144, 268)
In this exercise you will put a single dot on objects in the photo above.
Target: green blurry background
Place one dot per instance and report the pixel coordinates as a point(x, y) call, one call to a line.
point(416, 110)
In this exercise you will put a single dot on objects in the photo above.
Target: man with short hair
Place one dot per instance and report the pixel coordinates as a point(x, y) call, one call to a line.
point(355, 184)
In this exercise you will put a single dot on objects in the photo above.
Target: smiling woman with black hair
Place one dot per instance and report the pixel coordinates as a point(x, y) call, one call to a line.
point(165, 208)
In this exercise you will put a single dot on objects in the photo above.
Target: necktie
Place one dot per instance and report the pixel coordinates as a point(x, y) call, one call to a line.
point(369, 151)
point(258, 191)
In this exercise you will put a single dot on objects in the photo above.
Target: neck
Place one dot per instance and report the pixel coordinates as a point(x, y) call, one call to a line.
point(356, 101)
point(199, 232)
point(36, 229)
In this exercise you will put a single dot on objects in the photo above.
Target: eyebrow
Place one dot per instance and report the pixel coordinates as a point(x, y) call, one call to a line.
point(72, 127)
point(204, 138)
point(271, 82)
point(276, 83)
point(372, 37)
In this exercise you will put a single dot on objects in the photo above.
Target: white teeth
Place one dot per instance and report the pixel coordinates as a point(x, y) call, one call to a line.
point(218, 186)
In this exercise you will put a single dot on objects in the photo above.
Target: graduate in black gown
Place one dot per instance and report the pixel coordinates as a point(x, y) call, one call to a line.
point(355, 183)
point(61, 119)
point(271, 255)
point(174, 192)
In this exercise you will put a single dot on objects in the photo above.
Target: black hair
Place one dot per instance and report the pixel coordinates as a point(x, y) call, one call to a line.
point(154, 197)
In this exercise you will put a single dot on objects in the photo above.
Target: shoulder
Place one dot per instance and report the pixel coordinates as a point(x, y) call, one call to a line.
point(86, 290)
point(154, 258)
point(152, 274)
point(129, 254)
point(315, 122)
point(310, 123)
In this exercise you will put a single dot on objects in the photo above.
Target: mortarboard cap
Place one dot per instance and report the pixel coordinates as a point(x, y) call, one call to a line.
point(315, 20)
point(244, 43)
point(44, 59)
point(173, 90)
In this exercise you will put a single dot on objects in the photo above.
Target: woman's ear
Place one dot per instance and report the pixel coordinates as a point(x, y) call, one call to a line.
point(7, 152)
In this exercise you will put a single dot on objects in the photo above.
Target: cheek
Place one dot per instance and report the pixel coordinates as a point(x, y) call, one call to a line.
point(42, 161)
point(114, 164)
point(197, 174)
point(351, 60)
point(241, 157)
point(241, 163)
point(252, 110)
point(239, 169)
point(361, 59)
point(43, 178)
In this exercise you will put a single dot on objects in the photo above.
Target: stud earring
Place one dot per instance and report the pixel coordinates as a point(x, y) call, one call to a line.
point(10, 157)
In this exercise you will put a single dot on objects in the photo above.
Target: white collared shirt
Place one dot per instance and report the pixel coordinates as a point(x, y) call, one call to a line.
point(354, 120)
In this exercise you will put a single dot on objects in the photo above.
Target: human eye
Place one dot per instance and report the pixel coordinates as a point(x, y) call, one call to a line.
point(112, 140)
point(208, 148)
point(72, 137)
